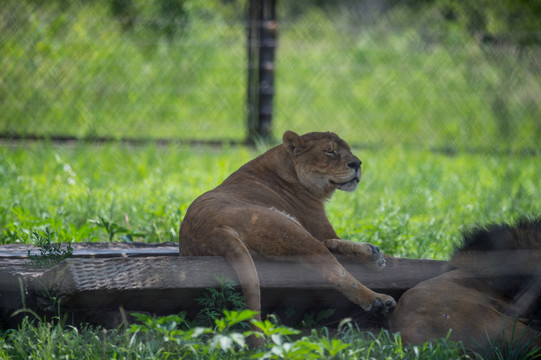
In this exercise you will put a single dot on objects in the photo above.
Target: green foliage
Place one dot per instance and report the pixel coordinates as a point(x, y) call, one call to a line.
point(312, 320)
point(163, 337)
point(145, 190)
point(136, 65)
point(385, 345)
point(214, 301)
point(174, 337)
point(50, 253)
point(417, 74)
point(162, 17)
point(519, 348)
point(410, 203)
point(49, 340)
point(415, 204)
point(411, 75)
point(113, 229)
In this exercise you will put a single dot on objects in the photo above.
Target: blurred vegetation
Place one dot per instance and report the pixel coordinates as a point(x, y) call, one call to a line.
point(486, 16)
point(84, 69)
point(445, 74)
point(175, 337)
point(410, 203)
point(442, 73)
point(387, 75)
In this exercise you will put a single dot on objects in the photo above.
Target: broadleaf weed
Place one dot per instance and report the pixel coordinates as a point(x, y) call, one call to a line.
point(112, 229)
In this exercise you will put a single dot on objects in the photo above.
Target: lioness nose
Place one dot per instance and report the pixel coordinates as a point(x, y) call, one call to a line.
point(355, 165)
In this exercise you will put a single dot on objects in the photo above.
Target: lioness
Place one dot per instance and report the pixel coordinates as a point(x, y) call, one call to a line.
point(273, 206)
point(492, 293)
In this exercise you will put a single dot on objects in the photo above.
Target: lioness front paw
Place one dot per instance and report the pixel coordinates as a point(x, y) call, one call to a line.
point(377, 257)
point(384, 304)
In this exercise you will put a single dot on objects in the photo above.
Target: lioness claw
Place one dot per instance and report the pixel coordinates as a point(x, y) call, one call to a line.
point(377, 305)
point(377, 257)
point(386, 307)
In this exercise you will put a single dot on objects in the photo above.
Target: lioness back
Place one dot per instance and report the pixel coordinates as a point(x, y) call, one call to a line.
point(272, 181)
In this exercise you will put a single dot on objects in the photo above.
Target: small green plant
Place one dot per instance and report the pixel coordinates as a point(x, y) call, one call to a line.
point(215, 300)
point(113, 229)
point(173, 335)
point(311, 320)
point(164, 335)
point(50, 253)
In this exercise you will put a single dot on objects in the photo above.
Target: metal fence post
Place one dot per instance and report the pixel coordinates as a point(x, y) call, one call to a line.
point(262, 29)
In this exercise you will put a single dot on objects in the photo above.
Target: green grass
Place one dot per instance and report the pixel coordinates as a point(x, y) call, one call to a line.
point(70, 69)
point(382, 86)
point(144, 189)
point(411, 203)
point(413, 78)
point(174, 337)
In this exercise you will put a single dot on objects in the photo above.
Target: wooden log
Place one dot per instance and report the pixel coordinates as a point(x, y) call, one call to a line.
point(91, 289)
point(96, 250)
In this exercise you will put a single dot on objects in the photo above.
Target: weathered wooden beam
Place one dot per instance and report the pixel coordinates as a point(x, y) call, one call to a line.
point(93, 289)
point(96, 250)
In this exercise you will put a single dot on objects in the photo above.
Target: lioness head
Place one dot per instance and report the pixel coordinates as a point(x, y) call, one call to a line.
point(323, 162)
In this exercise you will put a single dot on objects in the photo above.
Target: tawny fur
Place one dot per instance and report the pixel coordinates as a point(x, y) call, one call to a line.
point(493, 291)
point(273, 206)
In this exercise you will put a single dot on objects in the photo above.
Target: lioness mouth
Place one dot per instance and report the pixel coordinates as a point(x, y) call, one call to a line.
point(356, 179)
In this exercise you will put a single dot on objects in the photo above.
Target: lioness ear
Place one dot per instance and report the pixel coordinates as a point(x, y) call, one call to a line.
point(293, 142)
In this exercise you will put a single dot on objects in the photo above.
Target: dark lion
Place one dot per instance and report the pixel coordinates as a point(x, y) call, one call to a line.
point(273, 206)
point(492, 293)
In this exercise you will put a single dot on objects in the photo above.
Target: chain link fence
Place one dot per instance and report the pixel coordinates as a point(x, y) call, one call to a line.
point(123, 69)
point(440, 74)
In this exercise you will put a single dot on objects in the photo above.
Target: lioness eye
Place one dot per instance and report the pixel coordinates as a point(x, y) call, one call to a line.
point(330, 153)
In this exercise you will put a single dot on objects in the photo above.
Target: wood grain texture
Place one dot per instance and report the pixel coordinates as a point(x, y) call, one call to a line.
point(100, 278)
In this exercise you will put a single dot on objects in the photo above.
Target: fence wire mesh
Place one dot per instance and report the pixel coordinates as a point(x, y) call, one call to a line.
point(156, 69)
point(442, 74)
